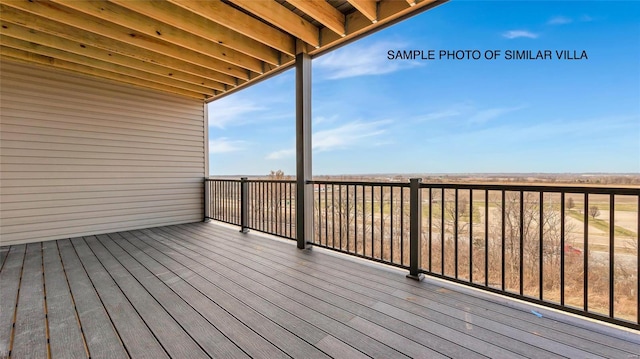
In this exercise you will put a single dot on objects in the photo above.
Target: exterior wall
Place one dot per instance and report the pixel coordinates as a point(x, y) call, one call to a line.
point(81, 156)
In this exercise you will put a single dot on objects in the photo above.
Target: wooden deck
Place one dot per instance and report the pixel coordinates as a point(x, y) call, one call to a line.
point(205, 290)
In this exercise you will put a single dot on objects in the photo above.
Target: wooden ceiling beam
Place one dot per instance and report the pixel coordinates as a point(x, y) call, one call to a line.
point(359, 24)
point(31, 47)
point(284, 67)
point(279, 16)
point(231, 59)
point(389, 10)
point(323, 12)
point(195, 24)
point(65, 15)
point(24, 56)
point(41, 38)
point(35, 22)
point(198, 48)
point(368, 8)
point(225, 15)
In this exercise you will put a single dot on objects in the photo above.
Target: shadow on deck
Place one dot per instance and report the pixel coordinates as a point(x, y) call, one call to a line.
point(205, 290)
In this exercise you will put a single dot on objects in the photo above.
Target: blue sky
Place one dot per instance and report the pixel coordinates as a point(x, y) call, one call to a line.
point(374, 115)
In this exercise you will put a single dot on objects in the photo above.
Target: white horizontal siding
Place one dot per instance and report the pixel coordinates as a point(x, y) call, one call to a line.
point(82, 156)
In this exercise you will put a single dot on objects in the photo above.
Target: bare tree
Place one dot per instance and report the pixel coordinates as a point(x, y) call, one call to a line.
point(345, 212)
point(552, 241)
point(276, 201)
point(463, 206)
point(594, 211)
point(570, 203)
point(276, 175)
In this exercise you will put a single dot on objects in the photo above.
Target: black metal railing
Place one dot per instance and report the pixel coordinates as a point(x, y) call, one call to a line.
point(366, 219)
point(223, 200)
point(566, 247)
point(271, 207)
point(263, 205)
point(534, 243)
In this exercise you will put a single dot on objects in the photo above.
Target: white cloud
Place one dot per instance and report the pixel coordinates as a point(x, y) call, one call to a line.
point(347, 135)
point(514, 34)
point(462, 111)
point(559, 20)
point(361, 60)
point(439, 115)
point(516, 132)
point(586, 18)
point(483, 116)
point(225, 145)
point(351, 134)
point(322, 119)
point(231, 110)
point(277, 155)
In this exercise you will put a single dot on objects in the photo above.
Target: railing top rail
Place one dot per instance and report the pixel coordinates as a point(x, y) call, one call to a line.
point(631, 191)
point(249, 180)
point(221, 179)
point(537, 188)
point(361, 183)
point(270, 181)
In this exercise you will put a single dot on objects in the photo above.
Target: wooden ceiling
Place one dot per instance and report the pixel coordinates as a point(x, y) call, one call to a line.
point(195, 48)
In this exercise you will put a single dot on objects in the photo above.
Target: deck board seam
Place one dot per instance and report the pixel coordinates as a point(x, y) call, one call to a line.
point(73, 301)
point(104, 308)
point(45, 308)
point(15, 309)
point(5, 256)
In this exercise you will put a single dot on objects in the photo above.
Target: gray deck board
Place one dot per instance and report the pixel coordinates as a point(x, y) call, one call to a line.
point(234, 329)
point(101, 338)
point(525, 340)
point(134, 333)
point(341, 292)
point(250, 316)
point(205, 290)
point(331, 304)
point(194, 325)
point(308, 314)
point(175, 341)
point(9, 285)
point(369, 305)
point(389, 279)
point(339, 349)
point(65, 337)
point(297, 334)
point(30, 333)
point(474, 304)
point(550, 335)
